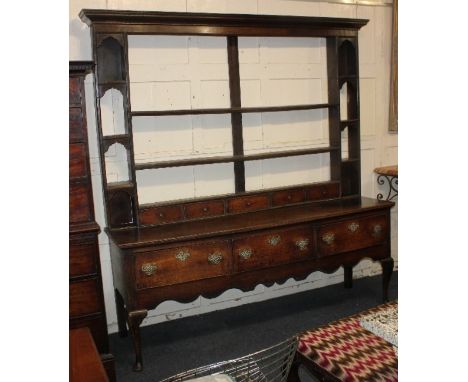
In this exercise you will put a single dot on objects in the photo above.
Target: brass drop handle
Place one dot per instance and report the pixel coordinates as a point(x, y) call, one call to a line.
point(328, 238)
point(353, 227)
point(149, 268)
point(215, 258)
point(274, 240)
point(182, 255)
point(245, 253)
point(377, 230)
point(302, 244)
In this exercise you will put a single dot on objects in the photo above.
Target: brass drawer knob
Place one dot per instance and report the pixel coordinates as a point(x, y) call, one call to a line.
point(245, 253)
point(302, 244)
point(149, 268)
point(215, 258)
point(182, 255)
point(377, 230)
point(274, 240)
point(328, 238)
point(353, 227)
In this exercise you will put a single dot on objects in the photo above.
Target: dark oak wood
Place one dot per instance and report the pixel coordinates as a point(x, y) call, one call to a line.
point(180, 250)
point(86, 300)
point(233, 109)
point(137, 22)
point(85, 362)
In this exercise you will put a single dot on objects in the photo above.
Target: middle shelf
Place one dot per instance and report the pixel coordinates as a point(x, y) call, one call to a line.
point(233, 158)
point(227, 110)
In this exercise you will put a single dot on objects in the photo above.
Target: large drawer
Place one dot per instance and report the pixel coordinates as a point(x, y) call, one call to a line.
point(84, 298)
point(352, 234)
point(79, 203)
point(182, 264)
point(273, 248)
point(83, 258)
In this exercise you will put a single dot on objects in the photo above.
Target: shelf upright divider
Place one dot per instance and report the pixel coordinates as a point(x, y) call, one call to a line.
point(334, 126)
point(236, 117)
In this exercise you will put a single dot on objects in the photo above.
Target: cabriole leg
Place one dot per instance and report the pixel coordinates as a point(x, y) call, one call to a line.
point(134, 321)
point(387, 269)
point(348, 276)
point(121, 314)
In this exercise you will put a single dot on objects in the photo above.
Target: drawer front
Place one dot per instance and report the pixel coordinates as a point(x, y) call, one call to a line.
point(79, 204)
point(247, 203)
point(160, 215)
point(281, 198)
point(273, 248)
point(352, 234)
point(74, 95)
point(204, 209)
point(77, 164)
point(76, 124)
point(84, 298)
point(323, 191)
point(83, 259)
point(182, 264)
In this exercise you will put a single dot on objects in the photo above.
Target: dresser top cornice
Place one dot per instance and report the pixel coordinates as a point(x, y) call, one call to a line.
point(145, 22)
point(129, 238)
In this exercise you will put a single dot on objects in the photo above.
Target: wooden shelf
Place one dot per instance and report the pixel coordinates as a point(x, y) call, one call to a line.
point(110, 83)
point(349, 160)
point(228, 110)
point(232, 158)
point(348, 77)
point(348, 122)
point(118, 186)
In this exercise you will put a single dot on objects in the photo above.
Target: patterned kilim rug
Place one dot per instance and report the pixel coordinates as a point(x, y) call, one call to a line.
point(350, 353)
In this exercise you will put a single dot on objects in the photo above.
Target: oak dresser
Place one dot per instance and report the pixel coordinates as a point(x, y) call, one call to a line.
point(182, 249)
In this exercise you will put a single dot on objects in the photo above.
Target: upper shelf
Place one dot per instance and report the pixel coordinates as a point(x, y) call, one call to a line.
point(227, 110)
point(214, 24)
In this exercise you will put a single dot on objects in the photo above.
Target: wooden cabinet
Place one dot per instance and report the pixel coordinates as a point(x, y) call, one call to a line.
point(86, 300)
point(182, 249)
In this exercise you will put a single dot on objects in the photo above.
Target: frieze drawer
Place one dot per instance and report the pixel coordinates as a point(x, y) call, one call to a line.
point(273, 248)
point(182, 264)
point(352, 234)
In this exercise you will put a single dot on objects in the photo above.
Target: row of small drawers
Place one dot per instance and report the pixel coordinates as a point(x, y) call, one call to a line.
point(238, 204)
point(212, 258)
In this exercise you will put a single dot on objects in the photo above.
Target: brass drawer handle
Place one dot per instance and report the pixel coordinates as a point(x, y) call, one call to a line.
point(215, 258)
point(353, 227)
point(245, 253)
point(302, 244)
point(182, 255)
point(377, 230)
point(274, 240)
point(328, 238)
point(149, 268)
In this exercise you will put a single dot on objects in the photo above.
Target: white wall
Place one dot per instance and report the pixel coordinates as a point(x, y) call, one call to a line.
point(261, 66)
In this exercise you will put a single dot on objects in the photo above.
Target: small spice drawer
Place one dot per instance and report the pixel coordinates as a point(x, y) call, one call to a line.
point(352, 234)
point(281, 198)
point(273, 248)
point(182, 264)
point(247, 203)
point(204, 209)
point(160, 215)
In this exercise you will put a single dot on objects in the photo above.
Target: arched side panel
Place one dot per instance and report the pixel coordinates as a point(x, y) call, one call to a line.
point(110, 56)
point(347, 62)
